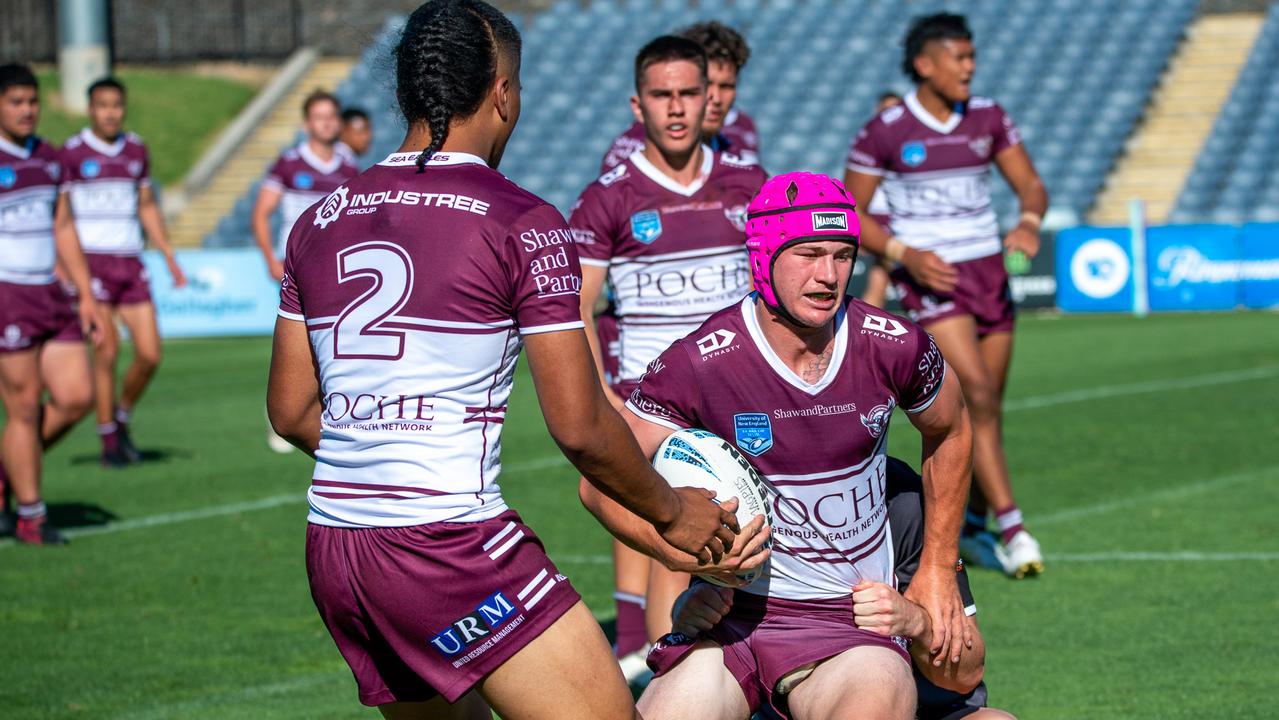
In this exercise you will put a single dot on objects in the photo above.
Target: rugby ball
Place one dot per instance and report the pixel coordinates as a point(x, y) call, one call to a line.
point(698, 458)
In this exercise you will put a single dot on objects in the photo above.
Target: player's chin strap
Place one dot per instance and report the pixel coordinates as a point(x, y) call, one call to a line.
point(780, 308)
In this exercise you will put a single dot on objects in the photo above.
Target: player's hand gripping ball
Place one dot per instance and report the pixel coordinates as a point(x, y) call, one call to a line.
point(697, 458)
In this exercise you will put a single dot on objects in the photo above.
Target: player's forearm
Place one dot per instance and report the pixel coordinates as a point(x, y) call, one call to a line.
point(71, 255)
point(873, 236)
point(153, 225)
point(947, 462)
point(262, 235)
point(624, 525)
point(1032, 197)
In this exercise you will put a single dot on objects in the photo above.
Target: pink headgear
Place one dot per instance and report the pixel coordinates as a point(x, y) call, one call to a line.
point(793, 208)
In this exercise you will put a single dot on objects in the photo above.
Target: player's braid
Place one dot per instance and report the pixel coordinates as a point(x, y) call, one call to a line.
point(446, 62)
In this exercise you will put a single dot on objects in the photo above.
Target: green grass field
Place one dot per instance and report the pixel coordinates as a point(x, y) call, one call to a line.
point(177, 113)
point(1145, 456)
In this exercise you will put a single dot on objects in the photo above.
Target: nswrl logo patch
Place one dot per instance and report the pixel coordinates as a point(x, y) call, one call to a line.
point(646, 226)
point(753, 432)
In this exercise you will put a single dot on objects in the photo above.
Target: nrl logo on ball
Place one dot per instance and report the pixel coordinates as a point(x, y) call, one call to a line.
point(331, 208)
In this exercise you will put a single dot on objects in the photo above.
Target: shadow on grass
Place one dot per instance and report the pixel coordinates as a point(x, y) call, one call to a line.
point(148, 456)
point(68, 515)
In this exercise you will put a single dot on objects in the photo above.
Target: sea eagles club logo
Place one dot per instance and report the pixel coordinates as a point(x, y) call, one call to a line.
point(830, 221)
point(331, 208)
point(876, 422)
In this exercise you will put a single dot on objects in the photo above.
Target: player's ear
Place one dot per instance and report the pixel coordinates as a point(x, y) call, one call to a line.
point(504, 97)
point(924, 65)
point(635, 109)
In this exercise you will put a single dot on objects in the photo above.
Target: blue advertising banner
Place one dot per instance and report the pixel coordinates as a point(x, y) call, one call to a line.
point(1193, 267)
point(1094, 269)
point(228, 292)
point(1259, 250)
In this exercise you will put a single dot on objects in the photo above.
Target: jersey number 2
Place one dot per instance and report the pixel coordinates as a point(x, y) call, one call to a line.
point(359, 332)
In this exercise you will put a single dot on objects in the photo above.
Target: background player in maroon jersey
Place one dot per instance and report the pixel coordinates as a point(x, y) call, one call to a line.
point(302, 174)
point(487, 269)
point(876, 273)
point(357, 130)
point(934, 154)
point(664, 229)
point(724, 127)
point(106, 173)
point(41, 335)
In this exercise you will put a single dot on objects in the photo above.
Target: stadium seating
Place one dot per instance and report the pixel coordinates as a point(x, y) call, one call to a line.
point(1235, 178)
point(1074, 74)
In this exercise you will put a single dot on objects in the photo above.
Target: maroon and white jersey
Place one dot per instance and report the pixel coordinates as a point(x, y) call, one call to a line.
point(102, 180)
point(820, 447)
point(936, 176)
point(416, 289)
point(302, 179)
point(29, 177)
point(674, 254)
point(737, 136)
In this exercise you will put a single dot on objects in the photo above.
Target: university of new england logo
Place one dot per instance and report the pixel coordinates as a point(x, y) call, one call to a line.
point(90, 168)
point(754, 432)
point(303, 180)
point(8, 177)
point(914, 154)
point(331, 208)
point(646, 226)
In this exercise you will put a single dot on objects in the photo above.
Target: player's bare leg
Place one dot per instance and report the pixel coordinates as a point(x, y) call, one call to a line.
point(104, 361)
point(630, 585)
point(567, 673)
point(64, 369)
point(991, 714)
point(664, 586)
point(140, 319)
point(863, 682)
point(469, 707)
point(20, 446)
point(699, 681)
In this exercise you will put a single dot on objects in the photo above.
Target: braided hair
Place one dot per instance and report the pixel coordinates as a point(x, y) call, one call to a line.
point(446, 62)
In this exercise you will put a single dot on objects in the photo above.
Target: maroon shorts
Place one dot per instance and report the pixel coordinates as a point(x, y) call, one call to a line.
point(31, 315)
point(764, 639)
point(610, 337)
point(429, 610)
point(982, 292)
point(118, 279)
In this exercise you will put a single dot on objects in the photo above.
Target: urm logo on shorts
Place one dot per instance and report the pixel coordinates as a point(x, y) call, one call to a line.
point(914, 154)
point(754, 432)
point(646, 226)
point(478, 624)
point(830, 221)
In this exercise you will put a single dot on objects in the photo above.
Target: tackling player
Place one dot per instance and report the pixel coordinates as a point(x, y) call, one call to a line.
point(302, 175)
point(41, 333)
point(106, 175)
point(804, 380)
point(665, 230)
point(724, 127)
point(357, 131)
point(943, 693)
point(933, 155)
point(408, 295)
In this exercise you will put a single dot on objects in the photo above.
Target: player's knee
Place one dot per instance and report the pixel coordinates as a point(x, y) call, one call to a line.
point(22, 405)
point(147, 358)
point(983, 401)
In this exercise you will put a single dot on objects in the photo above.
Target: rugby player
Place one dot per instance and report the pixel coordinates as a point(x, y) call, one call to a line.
point(933, 153)
point(106, 174)
point(303, 174)
point(804, 380)
point(944, 693)
point(357, 131)
point(41, 333)
point(407, 297)
point(876, 292)
point(664, 228)
point(724, 127)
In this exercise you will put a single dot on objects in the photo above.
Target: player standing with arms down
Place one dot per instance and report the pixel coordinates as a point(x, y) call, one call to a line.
point(357, 131)
point(407, 296)
point(724, 127)
point(41, 334)
point(933, 154)
point(301, 176)
point(106, 173)
point(665, 229)
point(804, 380)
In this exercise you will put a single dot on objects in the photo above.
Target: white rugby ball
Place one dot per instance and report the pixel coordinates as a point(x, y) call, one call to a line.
point(698, 458)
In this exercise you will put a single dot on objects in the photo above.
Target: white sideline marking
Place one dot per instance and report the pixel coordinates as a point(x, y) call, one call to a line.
point(1095, 557)
point(170, 710)
point(1138, 388)
point(1026, 403)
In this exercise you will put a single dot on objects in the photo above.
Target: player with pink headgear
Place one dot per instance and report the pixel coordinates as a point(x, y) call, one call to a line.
point(804, 380)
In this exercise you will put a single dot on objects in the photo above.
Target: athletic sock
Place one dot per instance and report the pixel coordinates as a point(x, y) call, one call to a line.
point(631, 634)
point(974, 522)
point(123, 415)
point(1009, 521)
point(32, 511)
point(107, 428)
